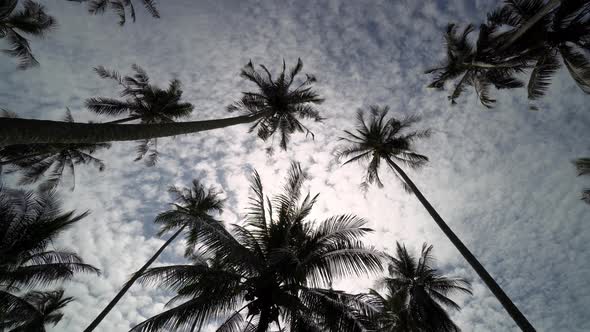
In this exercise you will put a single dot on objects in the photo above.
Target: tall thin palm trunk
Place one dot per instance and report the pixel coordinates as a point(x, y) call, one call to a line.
point(263, 321)
point(548, 8)
point(28, 131)
point(129, 283)
point(508, 305)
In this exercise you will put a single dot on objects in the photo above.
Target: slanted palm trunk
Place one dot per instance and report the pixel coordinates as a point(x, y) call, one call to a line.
point(548, 8)
point(263, 321)
point(129, 283)
point(510, 307)
point(27, 131)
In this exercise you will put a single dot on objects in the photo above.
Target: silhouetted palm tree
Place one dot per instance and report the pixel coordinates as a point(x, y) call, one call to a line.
point(272, 267)
point(583, 166)
point(34, 161)
point(381, 139)
point(275, 107)
point(475, 65)
point(191, 208)
point(32, 311)
point(144, 102)
point(417, 294)
point(30, 223)
point(562, 32)
point(32, 20)
point(119, 7)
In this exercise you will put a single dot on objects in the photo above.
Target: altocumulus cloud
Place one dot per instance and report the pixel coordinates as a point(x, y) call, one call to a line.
point(502, 178)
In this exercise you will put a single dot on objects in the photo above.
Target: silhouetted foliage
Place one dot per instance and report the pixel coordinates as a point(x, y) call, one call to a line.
point(120, 7)
point(583, 166)
point(381, 139)
point(30, 223)
point(476, 65)
point(32, 311)
point(281, 104)
point(35, 161)
point(144, 102)
point(31, 20)
point(416, 295)
point(271, 266)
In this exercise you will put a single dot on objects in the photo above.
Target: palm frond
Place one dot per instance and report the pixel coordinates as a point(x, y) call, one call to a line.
point(539, 81)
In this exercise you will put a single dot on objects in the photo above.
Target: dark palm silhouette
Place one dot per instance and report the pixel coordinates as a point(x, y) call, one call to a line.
point(272, 267)
point(30, 223)
point(191, 208)
point(35, 161)
point(120, 8)
point(583, 166)
point(416, 294)
point(145, 103)
point(276, 107)
point(563, 32)
point(476, 65)
point(31, 20)
point(382, 139)
point(282, 105)
point(33, 311)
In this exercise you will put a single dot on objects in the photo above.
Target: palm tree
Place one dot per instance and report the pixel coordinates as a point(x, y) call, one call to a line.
point(275, 107)
point(30, 223)
point(562, 32)
point(33, 311)
point(36, 160)
point(144, 102)
point(96, 7)
point(32, 20)
point(381, 139)
point(192, 207)
point(417, 294)
point(476, 66)
point(583, 166)
point(272, 267)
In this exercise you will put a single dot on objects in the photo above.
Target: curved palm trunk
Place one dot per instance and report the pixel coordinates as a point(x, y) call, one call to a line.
point(510, 307)
point(129, 283)
point(28, 131)
point(549, 7)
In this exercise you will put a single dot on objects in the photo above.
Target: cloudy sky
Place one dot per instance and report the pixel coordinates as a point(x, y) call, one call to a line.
point(502, 178)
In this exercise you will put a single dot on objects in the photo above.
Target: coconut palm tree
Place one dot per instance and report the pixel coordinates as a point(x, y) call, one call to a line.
point(33, 311)
point(31, 20)
point(563, 32)
point(416, 294)
point(30, 223)
point(583, 166)
point(381, 139)
point(275, 107)
point(270, 269)
point(34, 161)
point(144, 103)
point(476, 65)
point(120, 8)
point(192, 208)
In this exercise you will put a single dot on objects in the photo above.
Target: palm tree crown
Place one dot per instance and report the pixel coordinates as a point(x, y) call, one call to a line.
point(144, 102)
point(32, 20)
point(272, 266)
point(583, 166)
point(120, 8)
point(34, 161)
point(281, 104)
point(417, 294)
point(475, 65)
point(379, 138)
point(35, 310)
point(564, 32)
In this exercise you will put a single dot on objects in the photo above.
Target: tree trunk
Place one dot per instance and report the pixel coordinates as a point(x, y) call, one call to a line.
point(264, 321)
point(129, 283)
point(510, 307)
point(27, 131)
point(549, 7)
point(131, 118)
